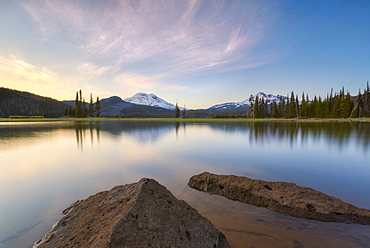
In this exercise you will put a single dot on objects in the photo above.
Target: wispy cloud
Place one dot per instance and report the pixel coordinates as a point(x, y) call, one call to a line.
point(133, 82)
point(17, 73)
point(13, 68)
point(149, 37)
point(22, 69)
point(89, 70)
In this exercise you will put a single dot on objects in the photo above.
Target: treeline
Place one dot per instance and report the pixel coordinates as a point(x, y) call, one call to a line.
point(83, 109)
point(230, 116)
point(19, 103)
point(338, 105)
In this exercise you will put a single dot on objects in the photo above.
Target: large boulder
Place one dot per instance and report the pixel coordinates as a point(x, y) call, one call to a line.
point(143, 214)
point(281, 197)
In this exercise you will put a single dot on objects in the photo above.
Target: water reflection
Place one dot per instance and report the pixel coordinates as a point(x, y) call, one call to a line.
point(141, 131)
point(15, 130)
point(93, 128)
point(43, 170)
point(340, 135)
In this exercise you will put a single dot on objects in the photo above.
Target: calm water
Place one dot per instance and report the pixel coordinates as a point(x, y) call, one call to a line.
point(44, 167)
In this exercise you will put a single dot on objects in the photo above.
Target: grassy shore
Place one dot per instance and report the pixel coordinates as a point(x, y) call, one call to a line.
point(366, 120)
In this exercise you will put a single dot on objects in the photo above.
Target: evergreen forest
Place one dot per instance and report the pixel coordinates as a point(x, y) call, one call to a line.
point(15, 103)
point(335, 105)
point(82, 109)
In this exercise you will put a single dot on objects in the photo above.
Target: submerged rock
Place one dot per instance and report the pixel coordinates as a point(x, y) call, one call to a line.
point(281, 197)
point(143, 214)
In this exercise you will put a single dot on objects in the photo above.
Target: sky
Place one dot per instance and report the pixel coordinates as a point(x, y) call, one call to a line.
point(194, 52)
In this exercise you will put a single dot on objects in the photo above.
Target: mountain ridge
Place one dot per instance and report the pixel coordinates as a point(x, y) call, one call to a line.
point(152, 100)
point(141, 105)
point(269, 98)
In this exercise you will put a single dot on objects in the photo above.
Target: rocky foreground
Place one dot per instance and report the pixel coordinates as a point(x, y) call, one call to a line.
point(143, 214)
point(281, 197)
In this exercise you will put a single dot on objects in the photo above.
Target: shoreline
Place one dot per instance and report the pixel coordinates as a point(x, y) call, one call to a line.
point(340, 120)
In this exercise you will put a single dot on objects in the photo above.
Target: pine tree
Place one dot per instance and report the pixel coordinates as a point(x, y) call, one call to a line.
point(274, 110)
point(177, 111)
point(304, 107)
point(341, 113)
point(251, 106)
point(331, 102)
point(78, 105)
point(97, 107)
point(282, 107)
point(348, 105)
point(313, 107)
point(292, 106)
point(85, 110)
point(297, 107)
point(326, 107)
point(91, 106)
point(262, 107)
point(319, 108)
point(257, 108)
point(267, 110)
point(366, 101)
point(287, 106)
point(335, 111)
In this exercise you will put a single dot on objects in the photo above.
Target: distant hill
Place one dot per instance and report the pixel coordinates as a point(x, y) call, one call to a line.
point(116, 107)
point(14, 102)
point(70, 103)
point(113, 107)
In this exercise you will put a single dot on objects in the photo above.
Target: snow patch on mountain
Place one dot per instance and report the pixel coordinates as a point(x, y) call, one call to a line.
point(229, 105)
point(269, 98)
point(261, 95)
point(150, 100)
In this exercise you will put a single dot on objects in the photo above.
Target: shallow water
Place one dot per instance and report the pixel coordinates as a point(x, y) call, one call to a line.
point(47, 166)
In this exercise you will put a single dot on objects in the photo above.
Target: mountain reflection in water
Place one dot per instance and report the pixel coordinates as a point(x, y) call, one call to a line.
point(293, 133)
point(47, 166)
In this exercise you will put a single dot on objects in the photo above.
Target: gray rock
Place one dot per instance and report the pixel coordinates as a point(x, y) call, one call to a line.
point(143, 214)
point(281, 197)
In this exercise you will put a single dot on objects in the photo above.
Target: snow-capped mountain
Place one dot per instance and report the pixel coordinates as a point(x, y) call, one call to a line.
point(243, 104)
point(149, 105)
point(268, 97)
point(150, 100)
point(229, 105)
point(114, 106)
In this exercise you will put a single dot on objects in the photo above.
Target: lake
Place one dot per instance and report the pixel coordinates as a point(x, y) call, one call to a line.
point(47, 166)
